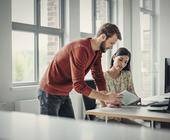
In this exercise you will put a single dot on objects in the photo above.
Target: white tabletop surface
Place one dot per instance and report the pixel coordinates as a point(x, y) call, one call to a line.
point(135, 112)
point(22, 126)
point(131, 112)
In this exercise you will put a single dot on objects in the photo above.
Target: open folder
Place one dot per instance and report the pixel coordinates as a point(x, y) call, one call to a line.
point(129, 98)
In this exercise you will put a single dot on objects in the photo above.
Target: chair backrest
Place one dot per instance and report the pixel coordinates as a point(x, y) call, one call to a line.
point(88, 102)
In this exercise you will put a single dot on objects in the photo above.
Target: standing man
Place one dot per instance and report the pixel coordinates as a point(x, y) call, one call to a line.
point(68, 69)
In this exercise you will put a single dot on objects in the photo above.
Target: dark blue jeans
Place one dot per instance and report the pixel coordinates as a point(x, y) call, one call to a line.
point(55, 105)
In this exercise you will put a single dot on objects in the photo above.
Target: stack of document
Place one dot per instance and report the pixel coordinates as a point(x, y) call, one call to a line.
point(159, 106)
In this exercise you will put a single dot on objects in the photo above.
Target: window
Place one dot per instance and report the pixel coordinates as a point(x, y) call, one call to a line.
point(102, 12)
point(103, 16)
point(23, 11)
point(48, 45)
point(23, 56)
point(50, 13)
point(86, 16)
point(146, 26)
point(37, 35)
point(97, 14)
point(146, 4)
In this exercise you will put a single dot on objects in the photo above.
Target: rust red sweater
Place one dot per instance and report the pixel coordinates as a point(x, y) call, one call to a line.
point(69, 67)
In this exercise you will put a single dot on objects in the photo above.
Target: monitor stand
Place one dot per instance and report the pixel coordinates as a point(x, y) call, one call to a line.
point(168, 109)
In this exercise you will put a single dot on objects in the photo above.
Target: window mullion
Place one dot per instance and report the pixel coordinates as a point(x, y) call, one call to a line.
point(36, 40)
point(109, 7)
point(23, 27)
point(93, 16)
point(62, 26)
point(146, 11)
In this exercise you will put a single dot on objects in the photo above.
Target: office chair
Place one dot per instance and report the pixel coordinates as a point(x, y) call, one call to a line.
point(88, 102)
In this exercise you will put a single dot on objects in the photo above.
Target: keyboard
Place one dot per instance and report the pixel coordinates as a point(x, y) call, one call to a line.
point(160, 104)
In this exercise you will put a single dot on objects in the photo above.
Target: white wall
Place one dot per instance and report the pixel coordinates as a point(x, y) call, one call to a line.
point(161, 44)
point(164, 36)
point(124, 23)
point(7, 93)
point(72, 19)
point(136, 55)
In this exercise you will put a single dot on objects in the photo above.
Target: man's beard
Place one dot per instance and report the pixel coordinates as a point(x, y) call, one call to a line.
point(102, 47)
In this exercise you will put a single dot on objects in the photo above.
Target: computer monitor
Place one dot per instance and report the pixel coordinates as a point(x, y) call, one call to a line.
point(167, 75)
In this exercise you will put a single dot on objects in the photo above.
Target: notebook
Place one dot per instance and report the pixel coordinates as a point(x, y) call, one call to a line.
point(129, 98)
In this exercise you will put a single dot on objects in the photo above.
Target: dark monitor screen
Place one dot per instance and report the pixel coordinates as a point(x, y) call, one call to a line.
point(167, 75)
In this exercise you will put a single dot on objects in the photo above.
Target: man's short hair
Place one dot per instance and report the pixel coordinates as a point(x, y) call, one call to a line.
point(109, 30)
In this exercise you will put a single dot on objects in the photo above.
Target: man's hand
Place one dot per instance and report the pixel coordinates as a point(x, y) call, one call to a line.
point(114, 99)
point(113, 104)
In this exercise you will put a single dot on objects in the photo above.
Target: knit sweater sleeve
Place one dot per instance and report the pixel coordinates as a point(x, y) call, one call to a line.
point(78, 59)
point(97, 74)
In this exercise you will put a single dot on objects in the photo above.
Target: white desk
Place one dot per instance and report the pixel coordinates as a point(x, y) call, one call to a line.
point(134, 112)
point(21, 126)
point(130, 112)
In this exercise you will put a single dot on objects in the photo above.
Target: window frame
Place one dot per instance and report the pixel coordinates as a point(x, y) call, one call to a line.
point(109, 8)
point(37, 29)
point(94, 32)
point(84, 34)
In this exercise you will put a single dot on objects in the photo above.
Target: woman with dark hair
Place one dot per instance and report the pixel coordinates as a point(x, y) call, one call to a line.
point(119, 77)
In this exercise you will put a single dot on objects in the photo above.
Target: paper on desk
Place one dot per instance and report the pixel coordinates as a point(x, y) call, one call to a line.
point(129, 98)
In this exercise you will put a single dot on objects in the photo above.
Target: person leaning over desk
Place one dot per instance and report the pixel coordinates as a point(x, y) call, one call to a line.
point(68, 69)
